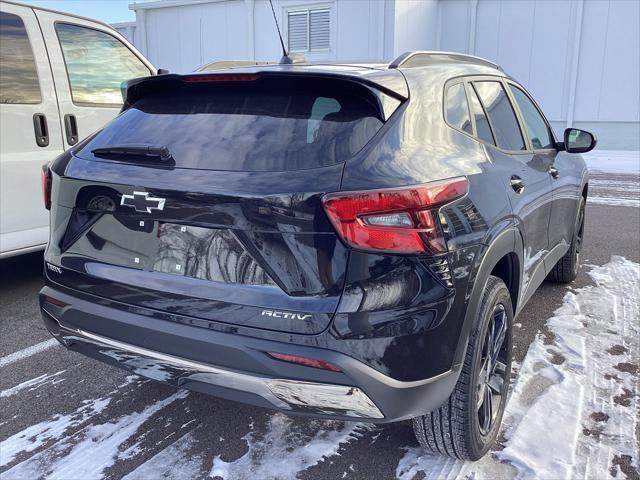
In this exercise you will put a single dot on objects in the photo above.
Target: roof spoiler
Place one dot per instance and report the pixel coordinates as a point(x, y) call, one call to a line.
point(424, 58)
point(137, 88)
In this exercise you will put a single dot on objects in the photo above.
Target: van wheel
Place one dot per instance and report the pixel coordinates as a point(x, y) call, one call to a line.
point(466, 426)
point(566, 270)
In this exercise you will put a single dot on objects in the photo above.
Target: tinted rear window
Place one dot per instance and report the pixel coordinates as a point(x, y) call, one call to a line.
point(501, 115)
point(267, 125)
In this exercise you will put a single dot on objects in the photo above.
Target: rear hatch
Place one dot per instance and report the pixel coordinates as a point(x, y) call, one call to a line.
point(203, 198)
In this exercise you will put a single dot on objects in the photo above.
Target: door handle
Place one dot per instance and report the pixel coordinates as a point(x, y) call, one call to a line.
point(517, 184)
point(41, 130)
point(553, 171)
point(71, 129)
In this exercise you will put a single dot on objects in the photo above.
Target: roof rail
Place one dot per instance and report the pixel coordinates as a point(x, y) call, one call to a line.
point(423, 58)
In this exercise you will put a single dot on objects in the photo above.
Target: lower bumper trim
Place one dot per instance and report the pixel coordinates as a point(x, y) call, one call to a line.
point(283, 394)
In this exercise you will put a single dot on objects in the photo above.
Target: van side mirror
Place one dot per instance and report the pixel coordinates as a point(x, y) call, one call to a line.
point(579, 141)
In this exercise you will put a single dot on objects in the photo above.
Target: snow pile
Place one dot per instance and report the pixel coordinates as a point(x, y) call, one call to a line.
point(614, 177)
point(613, 161)
point(573, 409)
point(566, 418)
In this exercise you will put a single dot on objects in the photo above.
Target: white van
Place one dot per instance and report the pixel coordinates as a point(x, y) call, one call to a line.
point(60, 77)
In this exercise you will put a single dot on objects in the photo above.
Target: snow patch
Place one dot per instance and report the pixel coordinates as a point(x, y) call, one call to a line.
point(175, 462)
point(287, 447)
point(33, 384)
point(618, 202)
point(37, 435)
point(84, 454)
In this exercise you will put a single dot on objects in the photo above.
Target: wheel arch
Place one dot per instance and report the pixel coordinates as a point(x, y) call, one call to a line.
point(503, 257)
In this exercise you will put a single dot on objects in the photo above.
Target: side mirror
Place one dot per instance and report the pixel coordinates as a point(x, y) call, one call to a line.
point(579, 141)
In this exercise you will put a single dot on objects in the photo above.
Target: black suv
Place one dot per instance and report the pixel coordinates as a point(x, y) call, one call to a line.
point(343, 241)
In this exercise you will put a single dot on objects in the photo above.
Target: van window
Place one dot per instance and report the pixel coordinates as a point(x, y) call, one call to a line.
point(457, 110)
point(18, 74)
point(501, 115)
point(271, 124)
point(97, 64)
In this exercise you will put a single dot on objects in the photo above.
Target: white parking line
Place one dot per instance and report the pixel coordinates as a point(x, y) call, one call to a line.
point(27, 352)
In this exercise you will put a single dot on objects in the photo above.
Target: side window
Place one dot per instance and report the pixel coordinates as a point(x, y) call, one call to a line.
point(501, 115)
point(483, 130)
point(536, 126)
point(18, 74)
point(97, 63)
point(456, 108)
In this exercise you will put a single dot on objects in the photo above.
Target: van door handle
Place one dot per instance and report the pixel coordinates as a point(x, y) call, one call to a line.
point(517, 184)
point(71, 129)
point(41, 130)
point(553, 171)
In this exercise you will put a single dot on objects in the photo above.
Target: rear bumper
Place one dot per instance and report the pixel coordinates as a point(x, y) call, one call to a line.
point(236, 367)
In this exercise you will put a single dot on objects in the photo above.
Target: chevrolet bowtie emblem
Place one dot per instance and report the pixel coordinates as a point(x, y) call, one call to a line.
point(142, 202)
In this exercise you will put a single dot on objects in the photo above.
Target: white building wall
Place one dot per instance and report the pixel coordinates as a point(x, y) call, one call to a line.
point(579, 58)
point(185, 36)
point(416, 25)
point(126, 29)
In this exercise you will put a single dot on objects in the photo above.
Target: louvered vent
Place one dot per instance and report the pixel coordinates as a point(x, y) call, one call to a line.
point(309, 30)
point(298, 31)
point(319, 30)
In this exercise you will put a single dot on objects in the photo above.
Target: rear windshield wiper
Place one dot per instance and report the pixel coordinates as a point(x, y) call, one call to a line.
point(161, 154)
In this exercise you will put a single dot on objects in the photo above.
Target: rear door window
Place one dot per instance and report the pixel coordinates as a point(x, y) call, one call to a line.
point(483, 129)
point(263, 125)
point(97, 64)
point(501, 115)
point(457, 109)
point(18, 75)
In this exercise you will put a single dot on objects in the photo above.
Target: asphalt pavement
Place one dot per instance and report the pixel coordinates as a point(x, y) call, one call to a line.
point(65, 415)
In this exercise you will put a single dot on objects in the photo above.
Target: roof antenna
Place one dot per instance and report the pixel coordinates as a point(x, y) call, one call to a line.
point(286, 58)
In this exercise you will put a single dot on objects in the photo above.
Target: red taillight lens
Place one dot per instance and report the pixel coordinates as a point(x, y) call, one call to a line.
point(46, 186)
point(238, 77)
point(55, 301)
point(397, 220)
point(307, 362)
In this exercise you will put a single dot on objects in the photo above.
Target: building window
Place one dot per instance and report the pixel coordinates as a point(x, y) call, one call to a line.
point(309, 30)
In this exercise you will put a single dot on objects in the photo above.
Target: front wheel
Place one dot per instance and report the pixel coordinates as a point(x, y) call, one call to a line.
point(467, 424)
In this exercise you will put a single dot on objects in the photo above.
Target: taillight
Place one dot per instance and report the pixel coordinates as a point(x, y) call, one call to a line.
point(396, 220)
point(306, 361)
point(46, 186)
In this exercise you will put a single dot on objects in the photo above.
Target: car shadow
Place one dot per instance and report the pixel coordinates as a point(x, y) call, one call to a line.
point(20, 269)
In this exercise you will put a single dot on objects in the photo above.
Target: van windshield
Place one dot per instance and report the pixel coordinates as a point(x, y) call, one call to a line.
point(267, 125)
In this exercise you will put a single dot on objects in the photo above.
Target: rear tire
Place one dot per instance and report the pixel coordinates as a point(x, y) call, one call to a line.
point(566, 270)
point(466, 426)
